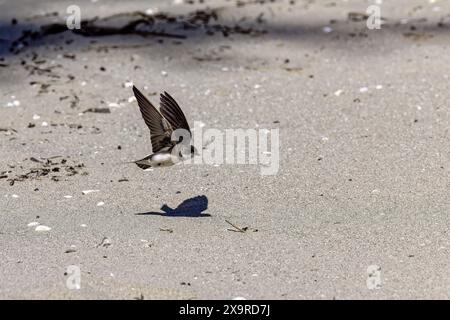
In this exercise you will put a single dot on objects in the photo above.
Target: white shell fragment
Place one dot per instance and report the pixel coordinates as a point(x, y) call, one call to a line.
point(89, 191)
point(33, 224)
point(42, 228)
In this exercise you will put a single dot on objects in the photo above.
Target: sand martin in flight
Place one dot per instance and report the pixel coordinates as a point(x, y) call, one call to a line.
point(167, 149)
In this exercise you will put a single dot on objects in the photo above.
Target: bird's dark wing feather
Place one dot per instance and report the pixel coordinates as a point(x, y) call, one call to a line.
point(172, 112)
point(160, 128)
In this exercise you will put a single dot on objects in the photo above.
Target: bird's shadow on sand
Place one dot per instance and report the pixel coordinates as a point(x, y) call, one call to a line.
point(192, 207)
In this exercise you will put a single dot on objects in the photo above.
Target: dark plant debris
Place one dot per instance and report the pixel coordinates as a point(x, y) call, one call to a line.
point(53, 168)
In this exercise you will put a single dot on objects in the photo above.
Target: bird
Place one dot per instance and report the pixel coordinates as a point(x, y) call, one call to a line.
point(162, 124)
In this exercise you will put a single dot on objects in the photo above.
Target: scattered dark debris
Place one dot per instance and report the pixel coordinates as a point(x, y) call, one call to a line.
point(35, 67)
point(141, 24)
point(74, 102)
point(4, 174)
point(8, 131)
point(106, 242)
point(97, 110)
point(293, 69)
point(357, 16)
point(48, 167)
point(69, 56)
point(415, 36)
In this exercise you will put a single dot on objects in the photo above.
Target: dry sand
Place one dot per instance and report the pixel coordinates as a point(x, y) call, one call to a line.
point(364, 158)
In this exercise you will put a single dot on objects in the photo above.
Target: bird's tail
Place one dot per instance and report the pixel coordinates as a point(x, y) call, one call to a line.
point(142, 165)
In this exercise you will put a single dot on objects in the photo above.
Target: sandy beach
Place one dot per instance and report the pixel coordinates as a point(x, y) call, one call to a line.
point(359, 207)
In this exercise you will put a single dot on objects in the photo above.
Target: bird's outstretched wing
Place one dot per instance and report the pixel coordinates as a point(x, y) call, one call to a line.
point(160, 129)
point(172, 112)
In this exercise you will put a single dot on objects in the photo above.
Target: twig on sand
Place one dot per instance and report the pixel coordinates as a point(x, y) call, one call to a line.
point(236, 228)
